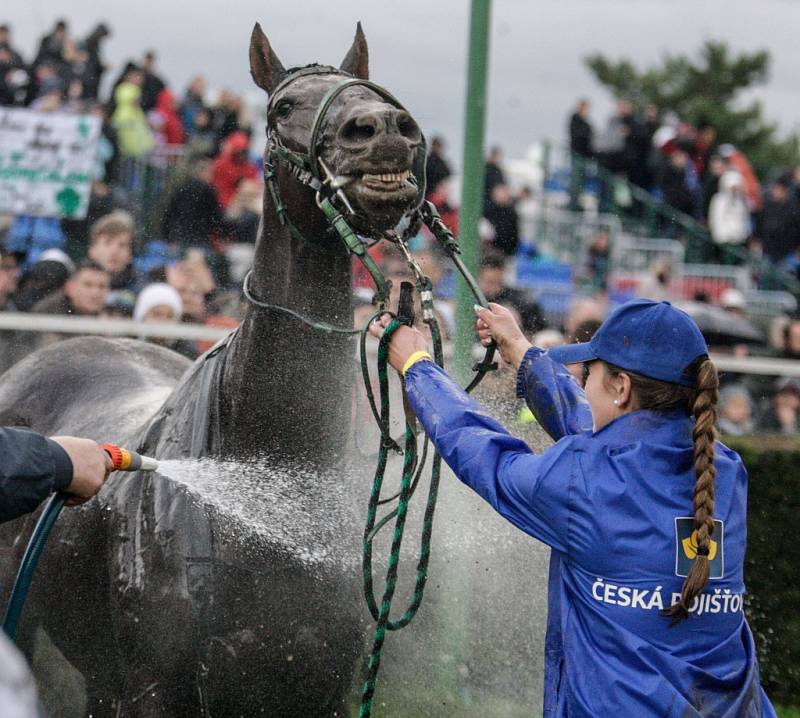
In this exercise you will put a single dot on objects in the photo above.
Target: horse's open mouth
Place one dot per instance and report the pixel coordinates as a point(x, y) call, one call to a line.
point(386, 182)
point(391, 187)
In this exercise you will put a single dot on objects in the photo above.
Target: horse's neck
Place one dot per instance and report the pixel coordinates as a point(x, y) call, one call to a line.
point(286, 387)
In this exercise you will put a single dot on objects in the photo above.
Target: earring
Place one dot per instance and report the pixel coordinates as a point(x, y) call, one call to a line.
point(616, 402)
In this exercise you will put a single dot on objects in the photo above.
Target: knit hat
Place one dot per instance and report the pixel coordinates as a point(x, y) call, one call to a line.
point(154, 295)
point(57, 255)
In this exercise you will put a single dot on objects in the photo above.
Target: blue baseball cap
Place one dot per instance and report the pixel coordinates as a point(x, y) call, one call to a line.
point(653, 339)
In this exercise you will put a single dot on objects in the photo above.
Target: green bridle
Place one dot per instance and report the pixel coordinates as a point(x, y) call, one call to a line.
point(307, 167)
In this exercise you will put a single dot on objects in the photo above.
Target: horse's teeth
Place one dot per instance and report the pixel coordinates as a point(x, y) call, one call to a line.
point(387, 176)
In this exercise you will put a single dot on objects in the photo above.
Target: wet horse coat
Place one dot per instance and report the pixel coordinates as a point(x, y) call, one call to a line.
point(149, 602)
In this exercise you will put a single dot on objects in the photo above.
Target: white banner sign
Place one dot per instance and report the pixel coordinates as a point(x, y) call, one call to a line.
point(46, 162)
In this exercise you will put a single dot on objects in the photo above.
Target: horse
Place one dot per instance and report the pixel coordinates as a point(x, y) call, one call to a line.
point(151, 603)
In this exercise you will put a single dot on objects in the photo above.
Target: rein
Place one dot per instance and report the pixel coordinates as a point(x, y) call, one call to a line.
point(306, 170)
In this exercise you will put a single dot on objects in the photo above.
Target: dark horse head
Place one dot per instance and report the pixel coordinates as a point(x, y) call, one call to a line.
point(365, 143)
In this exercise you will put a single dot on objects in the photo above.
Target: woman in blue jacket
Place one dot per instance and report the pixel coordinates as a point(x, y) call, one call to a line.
point(644, 510)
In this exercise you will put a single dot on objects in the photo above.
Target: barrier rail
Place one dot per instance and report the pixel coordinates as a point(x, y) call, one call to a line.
point(644, 214)
point(565, 236)
point(59, 324)
point(18, 321)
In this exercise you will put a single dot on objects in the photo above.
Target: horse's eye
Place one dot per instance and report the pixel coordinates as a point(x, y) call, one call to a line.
point(283, 110)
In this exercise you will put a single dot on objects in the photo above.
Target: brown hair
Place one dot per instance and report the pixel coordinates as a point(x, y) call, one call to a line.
point(699, 401)
point(116, 222)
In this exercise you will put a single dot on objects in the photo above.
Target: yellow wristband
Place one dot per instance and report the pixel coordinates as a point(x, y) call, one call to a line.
point(413, 359)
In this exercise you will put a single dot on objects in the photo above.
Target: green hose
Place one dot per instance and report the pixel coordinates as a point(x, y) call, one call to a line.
point(27, 569)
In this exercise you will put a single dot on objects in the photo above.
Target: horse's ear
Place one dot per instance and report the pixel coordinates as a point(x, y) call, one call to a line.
point(356, 61)
point(265, 67)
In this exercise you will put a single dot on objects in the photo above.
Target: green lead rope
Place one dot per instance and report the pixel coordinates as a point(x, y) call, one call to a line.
point(412, 469)
point(407, 485)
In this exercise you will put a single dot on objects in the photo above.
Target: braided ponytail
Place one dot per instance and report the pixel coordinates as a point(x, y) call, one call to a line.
point(704, 434)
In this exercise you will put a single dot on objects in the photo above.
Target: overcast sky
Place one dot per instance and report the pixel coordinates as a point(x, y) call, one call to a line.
point(537, 47)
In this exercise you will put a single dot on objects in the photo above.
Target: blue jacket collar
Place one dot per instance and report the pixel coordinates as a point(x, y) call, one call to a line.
point(658, 427)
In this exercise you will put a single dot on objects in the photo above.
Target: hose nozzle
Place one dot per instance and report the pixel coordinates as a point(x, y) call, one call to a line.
point(126, 460)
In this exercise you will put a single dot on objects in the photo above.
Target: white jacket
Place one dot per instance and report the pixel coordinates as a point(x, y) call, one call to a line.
point(728, 214)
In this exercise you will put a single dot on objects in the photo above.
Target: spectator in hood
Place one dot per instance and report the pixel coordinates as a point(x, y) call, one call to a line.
point(779, 223)
point(165, 120)
point(728, 214)
point(231, 167)
point(134, 137)
point(735, 160)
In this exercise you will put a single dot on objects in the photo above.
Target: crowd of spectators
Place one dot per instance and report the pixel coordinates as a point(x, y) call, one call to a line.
point(697, 172)
point(749, 404)
point(110, 265)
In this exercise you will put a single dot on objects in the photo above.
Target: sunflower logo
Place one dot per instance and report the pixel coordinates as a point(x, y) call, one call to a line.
point(690, 547)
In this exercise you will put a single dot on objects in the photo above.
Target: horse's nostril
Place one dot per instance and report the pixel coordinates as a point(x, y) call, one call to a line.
point(359, 129)
point(407, 126)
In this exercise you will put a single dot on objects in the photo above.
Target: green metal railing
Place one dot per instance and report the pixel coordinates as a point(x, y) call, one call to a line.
point(647, 216)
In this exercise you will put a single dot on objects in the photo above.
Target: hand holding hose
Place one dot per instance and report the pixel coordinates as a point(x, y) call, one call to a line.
point(499, 324)
point(91, 466)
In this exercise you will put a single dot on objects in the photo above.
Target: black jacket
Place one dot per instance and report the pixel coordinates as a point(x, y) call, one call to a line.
point(779, 228)
point(580, 136)
point(193, 214)
point(31, 468)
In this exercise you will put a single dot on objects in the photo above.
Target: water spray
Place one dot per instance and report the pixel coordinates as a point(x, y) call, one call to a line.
point(121, 460)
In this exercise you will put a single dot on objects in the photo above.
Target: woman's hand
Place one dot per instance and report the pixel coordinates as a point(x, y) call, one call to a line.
point(497, 323)
point(404, 342)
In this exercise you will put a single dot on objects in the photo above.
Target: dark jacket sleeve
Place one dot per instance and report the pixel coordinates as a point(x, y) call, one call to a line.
point(31, 467)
